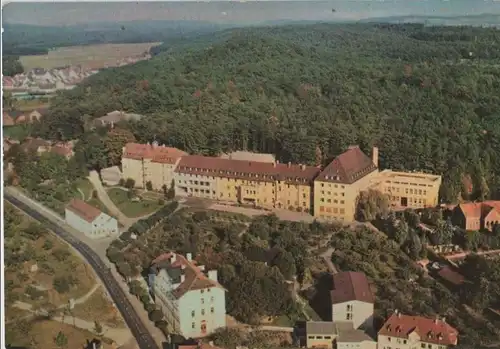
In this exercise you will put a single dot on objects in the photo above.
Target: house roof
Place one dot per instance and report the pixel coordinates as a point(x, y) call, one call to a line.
point(321, 328)
point(154, 152)
point(471, 209)
point(353, 336)
point(84, 210)
point(348, 167)
point(61, 150)
point(32, 144)
point(194, 278)
point(351, 286)
point(249, 170)
point(451, 276)
point(429, 330)
point(249, 156)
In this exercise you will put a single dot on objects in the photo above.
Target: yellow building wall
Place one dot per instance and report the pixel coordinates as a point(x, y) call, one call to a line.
point(132, 168)
point(414, 190)
point(160, 174)
point(337, 201)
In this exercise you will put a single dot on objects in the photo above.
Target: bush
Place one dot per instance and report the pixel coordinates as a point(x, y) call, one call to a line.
point(161, 202)
point(129, 183)
point(47, 245)
point(61, 284)
point(149, 185)
point(121, 182)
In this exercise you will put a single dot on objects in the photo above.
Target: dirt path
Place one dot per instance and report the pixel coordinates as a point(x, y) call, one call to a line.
point(327, 257)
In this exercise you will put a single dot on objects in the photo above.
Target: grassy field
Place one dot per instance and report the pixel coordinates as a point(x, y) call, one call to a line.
point(91, 56)
point(30, 104)
point(17, 132)
point(130, 208)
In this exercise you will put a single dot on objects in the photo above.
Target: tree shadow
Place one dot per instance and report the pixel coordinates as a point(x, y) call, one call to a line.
point(319, 296)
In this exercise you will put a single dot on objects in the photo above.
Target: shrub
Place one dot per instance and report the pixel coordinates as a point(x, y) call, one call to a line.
point(47, 245)
point(161, 202)
point(129, 183)
point(121, 182)
point(149, 185)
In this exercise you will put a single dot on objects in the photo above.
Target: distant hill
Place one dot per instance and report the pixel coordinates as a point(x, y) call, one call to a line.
point(492, 20)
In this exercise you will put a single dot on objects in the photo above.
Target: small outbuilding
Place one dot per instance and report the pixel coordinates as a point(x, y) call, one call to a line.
point(90, 220)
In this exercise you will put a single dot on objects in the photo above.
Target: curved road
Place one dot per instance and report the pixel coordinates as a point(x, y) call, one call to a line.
point(139, 331)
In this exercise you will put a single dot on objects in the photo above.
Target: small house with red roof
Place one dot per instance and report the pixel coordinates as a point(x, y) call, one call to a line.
point(90, 220)
point(192, 300)
point(477, 215)
point(352, 300)
point(406, 332)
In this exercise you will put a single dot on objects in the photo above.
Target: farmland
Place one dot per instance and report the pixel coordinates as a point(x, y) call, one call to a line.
point(89, 56)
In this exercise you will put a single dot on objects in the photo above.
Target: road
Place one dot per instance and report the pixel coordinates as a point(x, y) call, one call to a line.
point(327, 257)
point(139, 331)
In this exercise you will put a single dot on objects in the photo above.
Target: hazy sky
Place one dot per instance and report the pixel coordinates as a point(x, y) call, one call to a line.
point(76, 12)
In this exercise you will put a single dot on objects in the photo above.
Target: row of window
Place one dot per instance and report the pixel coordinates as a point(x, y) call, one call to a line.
point(329, 185)
point(193, 313)
point(407, 183)
point(341, 219)
point(410, 191)
point(334, 193)
point(319, 337)
point(411, 200)
point(335, 201)
point(239, 174)
point(333, 210)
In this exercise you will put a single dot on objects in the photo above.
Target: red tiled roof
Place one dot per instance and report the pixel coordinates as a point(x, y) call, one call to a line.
point(493, 204)
point(348, 167)
point(84, 210)
point(429, 330)
point(249, 170)
point(471, 209)
point(350, 286)
point(194, 278)
point(156, 153)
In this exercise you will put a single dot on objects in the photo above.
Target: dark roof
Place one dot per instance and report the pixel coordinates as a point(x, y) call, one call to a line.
point(451, 276)
point(249, 170)
point(348, 167)
point(351, 286)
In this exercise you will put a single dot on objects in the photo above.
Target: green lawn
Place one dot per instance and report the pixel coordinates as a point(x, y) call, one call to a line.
point(17, 132)
point(130, 208)
point(86, 187)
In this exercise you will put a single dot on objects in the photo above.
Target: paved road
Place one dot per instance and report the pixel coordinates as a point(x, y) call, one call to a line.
point(139, 331)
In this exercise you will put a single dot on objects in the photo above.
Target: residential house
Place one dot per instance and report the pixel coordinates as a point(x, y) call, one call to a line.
point(408, 332)
point(339, 335)
point(150, 163)
point(337, 187)
point(8, 143)
point(36, 145)
point(112, 118)
point(352, 300)
point(64, 149)
point(477, 215)
point(260, 184)
point(8, 119)
point(320, 334)
point(193, 302)
point(450, 277)
point(90, 220)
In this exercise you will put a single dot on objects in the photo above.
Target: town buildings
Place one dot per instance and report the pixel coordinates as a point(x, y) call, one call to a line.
point(477, 215)
point(41, 146)
point(408, 332)
point(249, 179)
point(150, 163)
point(193, 302)
point(17, 117)
point(90, 220)
point(114, 117)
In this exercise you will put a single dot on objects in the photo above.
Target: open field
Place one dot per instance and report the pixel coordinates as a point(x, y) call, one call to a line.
point(91, 56)
point(130, 208)
point(30, 104)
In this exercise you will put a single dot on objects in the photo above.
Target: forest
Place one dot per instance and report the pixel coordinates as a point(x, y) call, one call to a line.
point(426, 96)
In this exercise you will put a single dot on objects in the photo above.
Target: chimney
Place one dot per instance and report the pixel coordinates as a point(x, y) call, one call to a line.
point(436, 320)
point(183, 278)
point(289, 164)
point(275, 163)
point(189, 257)
point(443, 319)
point(212, 275)
point(173, 258)
point(375, 155)
point(302, 167)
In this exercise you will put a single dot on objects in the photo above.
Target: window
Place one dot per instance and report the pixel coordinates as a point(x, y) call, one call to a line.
point(212, 310)
point(202, 311)
point(349, 307)
point(422, 345)
point(193, 325)
point(211, 298)
point(192, 313)
point(202, 301)
point(348, 316)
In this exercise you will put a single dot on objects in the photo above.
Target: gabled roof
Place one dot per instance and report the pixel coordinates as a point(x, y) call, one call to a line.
point(84, 210)
point(351, 286)
point(471, 209)
point(321, 328)
point(154, 152)
point(435, 331)
point(194, 278)
point(348, 167)
point(250, 170)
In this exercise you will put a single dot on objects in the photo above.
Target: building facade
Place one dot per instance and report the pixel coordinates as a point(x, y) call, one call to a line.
point(260, 184)
point(477, 215)
point(90, 220)
point(150, 163)
point(352, 300)
point(410, 332)
point(320, 334)
point(409, 190)
point(194, 303)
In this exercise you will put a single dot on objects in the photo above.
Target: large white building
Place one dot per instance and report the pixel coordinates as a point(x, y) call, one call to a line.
point(352, 300)
point(408, 332)
point(193, 302)
point(90, 220)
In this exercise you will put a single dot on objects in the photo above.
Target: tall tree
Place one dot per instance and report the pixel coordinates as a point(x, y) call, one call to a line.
point(114, 142)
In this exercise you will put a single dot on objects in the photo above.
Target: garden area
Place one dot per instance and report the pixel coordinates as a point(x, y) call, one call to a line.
point(41, 275)
point(133, 205)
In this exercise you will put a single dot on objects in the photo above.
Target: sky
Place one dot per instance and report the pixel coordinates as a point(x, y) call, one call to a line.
point(76, 12)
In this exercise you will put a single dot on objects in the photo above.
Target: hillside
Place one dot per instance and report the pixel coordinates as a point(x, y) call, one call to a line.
point(428, 97)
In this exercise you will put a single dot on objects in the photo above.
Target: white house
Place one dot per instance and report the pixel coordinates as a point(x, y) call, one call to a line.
point(90, 220)
point(352, 300)
point(194, 303)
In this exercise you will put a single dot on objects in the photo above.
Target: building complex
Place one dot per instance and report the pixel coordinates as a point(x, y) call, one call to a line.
point(329, 193)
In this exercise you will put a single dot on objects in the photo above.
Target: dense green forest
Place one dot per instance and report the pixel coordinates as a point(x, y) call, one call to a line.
point(11, 65)
point(426, 96)
point(22, 39)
